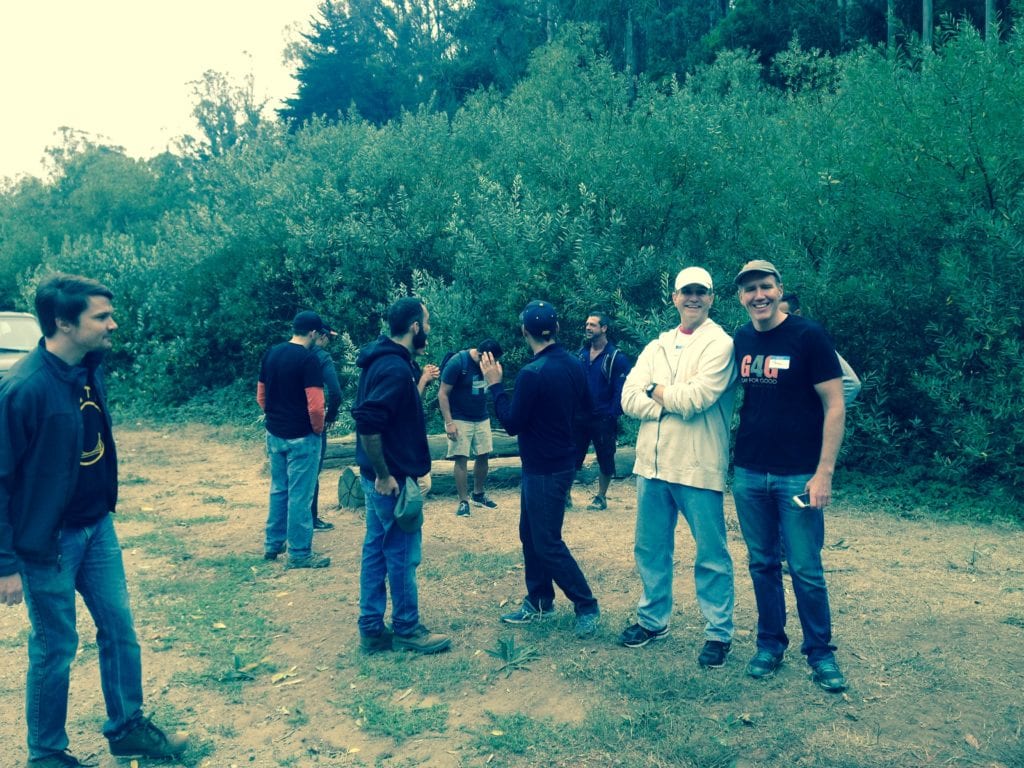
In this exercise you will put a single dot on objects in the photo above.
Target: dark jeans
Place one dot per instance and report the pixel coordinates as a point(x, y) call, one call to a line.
point(319, 469)
point(546, 557)
point(603, 432)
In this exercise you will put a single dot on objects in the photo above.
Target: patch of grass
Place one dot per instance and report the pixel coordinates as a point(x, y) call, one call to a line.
point(517, 734)
point(435, 675)
point(18, 640)
point(160, 543)
point(207, 614)
point(381, 718)
point(465, 564)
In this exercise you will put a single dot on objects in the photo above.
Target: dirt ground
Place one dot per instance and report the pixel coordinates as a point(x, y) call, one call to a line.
point(929, 620)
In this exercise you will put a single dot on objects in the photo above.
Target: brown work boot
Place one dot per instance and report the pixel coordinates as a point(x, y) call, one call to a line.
point(421, 640)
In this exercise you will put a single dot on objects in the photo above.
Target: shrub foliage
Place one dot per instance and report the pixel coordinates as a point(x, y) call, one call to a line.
point(888, 191)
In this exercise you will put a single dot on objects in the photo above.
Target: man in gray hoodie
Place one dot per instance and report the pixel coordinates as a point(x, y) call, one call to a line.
point(681, 389)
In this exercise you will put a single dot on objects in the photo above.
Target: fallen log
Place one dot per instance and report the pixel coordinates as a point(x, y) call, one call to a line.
point(503, 472)
point(341, 451)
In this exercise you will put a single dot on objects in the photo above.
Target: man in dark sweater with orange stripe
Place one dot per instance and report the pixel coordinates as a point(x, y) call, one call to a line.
point(291, 394)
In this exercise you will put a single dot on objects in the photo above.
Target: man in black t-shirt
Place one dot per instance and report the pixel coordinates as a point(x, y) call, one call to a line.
point(791, 428)
point(58, 490)
point(291, 393)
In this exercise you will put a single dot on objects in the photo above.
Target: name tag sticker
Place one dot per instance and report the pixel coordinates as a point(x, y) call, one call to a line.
point(779, 363)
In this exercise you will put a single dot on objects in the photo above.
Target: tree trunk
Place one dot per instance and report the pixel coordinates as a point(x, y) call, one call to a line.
point(927, 12)
point(842, 24)
point(991, 23)
point(890, 24)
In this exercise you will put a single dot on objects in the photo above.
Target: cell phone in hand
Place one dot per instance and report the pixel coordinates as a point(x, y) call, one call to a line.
point(802, 499)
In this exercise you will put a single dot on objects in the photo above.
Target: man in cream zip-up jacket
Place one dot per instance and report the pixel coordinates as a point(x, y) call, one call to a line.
point(681, 389)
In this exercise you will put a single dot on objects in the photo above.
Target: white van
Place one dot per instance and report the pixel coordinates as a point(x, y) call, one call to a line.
point(19, 335)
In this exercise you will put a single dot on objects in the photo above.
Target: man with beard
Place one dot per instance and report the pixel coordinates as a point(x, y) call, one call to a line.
point(606, 368)
point(392, 447)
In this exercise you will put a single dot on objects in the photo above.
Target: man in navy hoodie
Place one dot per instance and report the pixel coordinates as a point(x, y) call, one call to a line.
point(58, 489)
point(549, 396)
point(392, 446)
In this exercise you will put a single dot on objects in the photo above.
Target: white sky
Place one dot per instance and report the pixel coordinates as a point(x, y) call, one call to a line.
point(119, 69)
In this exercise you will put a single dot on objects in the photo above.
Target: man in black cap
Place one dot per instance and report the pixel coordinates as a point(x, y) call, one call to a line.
point(291, 393)
point(550, 393)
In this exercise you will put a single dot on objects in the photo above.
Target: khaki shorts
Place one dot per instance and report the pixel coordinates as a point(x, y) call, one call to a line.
point(473, 436)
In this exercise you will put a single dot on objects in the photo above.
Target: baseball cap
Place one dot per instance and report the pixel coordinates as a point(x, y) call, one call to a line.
point(758, 265)
point(695, 276)
point(307, 321)
point(540, 319)
point(328, 331)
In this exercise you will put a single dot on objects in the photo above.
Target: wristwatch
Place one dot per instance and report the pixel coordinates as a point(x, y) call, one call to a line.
point(649, 389)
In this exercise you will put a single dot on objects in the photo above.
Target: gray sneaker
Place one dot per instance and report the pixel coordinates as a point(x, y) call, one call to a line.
point(421, 640)
point(586, 624)
point(463, 510)
point(599, 503)
point(528, 612)
point(310, 561)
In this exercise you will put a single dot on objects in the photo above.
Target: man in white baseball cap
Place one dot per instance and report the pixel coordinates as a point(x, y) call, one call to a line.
point(681, 389)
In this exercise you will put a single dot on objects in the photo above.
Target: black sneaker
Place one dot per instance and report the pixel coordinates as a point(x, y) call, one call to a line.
point(463, 510)
point(271, 553)
point(712, 655)
point(58, 760)
point(636, 636)
point(764, 664)
point(483, 500)
point(598, 503)
point(146, 740)
point(313, 560)
point(827, 676)
point(322, 525)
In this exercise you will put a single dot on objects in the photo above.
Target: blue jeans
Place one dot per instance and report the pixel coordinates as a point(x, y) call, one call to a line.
point(770, 519)
point(293, 475)
point(659, 504)
point(546, 557)
point(90, 562)
point(390, 556)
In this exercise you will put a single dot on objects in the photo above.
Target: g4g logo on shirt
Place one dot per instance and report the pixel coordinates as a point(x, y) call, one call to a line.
point(763, 368)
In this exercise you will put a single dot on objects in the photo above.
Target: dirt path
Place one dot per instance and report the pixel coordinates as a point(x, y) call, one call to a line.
point(929, 620)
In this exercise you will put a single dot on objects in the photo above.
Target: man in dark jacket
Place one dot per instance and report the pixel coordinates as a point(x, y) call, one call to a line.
point(550, 393)
point(606, 368)
point(392, 447)
point(332, 396)
point(58, 489)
